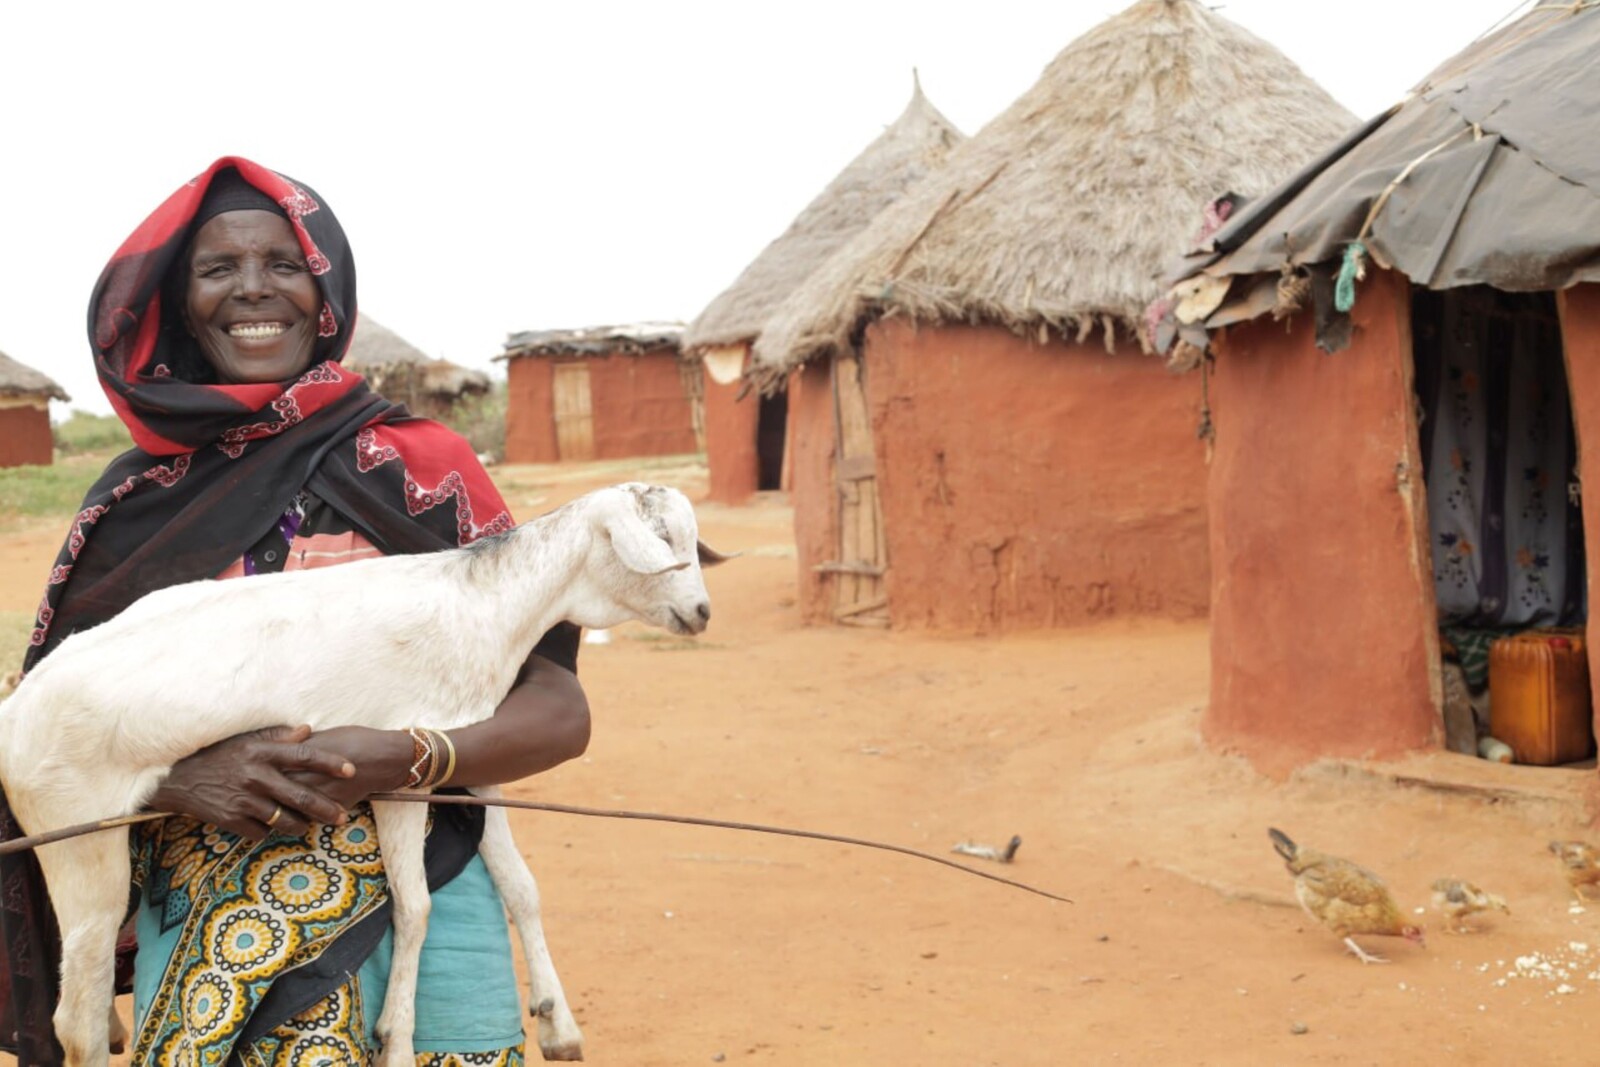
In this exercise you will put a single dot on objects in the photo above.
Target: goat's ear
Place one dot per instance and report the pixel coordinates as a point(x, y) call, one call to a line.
point(635, 544)
point(710, 557)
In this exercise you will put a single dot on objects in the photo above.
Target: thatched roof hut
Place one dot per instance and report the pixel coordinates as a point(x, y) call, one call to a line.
point(1418, 429)
point(967, 457)
point(16, 379)
point(1063, 212)
point(25, 396)
point(405, 374)
point(914, 144)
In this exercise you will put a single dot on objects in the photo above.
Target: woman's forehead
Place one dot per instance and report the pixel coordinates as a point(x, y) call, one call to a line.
point(244, 231)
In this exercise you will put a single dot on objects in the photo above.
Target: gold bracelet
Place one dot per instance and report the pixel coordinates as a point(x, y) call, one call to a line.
point(450, 764)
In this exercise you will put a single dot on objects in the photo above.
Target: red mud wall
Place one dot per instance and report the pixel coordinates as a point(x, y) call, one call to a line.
point(24, 436)
point(640, 407)
point(810, 452)
point(530, 411)
point(1323, 623)
point(731, 442)
point(1580, 334)
point(1028, 485)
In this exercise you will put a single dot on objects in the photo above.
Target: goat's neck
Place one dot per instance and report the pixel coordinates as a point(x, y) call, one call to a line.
point(530, 578)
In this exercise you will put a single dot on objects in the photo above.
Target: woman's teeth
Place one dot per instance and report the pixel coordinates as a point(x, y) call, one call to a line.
point(255, 331)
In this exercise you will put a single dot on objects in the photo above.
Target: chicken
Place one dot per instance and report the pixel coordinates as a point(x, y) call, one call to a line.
point(1580, 862)
point(1458, 898)
point(1346, 898)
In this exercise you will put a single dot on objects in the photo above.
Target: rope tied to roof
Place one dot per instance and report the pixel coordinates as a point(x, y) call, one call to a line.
point(1354, 267)
point(1352, 270)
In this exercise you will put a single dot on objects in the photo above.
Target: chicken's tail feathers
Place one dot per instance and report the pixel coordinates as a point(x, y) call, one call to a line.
point(1281, 841)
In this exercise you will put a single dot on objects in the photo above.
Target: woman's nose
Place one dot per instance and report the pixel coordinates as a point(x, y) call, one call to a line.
point(252, 283)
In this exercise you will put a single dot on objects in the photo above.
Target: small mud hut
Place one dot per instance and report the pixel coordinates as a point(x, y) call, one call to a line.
point(746, 431)
point(603, 392)
point(25, 397)
point(983, 441)
point(1404, 458)
point(400, 372)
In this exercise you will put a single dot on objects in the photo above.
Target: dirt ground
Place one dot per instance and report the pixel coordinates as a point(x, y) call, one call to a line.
point(682, 945)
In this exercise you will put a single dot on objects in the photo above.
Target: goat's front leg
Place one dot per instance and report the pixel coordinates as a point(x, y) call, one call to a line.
point(402, 828)
point(559, 1037)
point(88, 881)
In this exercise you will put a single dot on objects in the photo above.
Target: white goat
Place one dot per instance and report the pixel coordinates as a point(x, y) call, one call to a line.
point(430, 640)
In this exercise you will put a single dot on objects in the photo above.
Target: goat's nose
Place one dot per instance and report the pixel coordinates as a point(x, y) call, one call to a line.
point(703, 609)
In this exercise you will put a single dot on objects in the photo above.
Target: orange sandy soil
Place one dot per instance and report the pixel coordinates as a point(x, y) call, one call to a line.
point(684, 945)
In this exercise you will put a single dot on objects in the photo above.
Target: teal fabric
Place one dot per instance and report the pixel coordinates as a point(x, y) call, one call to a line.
point(467, 995)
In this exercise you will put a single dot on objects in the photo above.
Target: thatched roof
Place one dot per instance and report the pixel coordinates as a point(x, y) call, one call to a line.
point(1486, 174)
point(916, 143)
point(397, 368)
point(1063, 212)
point(19, 380)
point(630, 340)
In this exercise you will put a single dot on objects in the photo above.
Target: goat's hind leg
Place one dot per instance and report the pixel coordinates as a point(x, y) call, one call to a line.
point(88, 879)
point(559, 1036)
point(402, 828)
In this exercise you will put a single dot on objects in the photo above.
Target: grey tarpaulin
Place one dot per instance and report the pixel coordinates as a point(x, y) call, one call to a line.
point(1509, 197)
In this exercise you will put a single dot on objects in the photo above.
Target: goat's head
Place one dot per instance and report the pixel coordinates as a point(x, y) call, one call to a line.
point(647, 559)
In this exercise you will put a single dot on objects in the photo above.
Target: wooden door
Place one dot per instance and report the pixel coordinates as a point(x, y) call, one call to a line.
point(574, 416)
point(860, 598)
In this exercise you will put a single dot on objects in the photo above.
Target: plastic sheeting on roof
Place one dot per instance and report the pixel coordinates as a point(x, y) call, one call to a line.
point(1503, 149)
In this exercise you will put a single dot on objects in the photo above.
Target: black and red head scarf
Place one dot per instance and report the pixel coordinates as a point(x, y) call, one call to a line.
point(213, 468)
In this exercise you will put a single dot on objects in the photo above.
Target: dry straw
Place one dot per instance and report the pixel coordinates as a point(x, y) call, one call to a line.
point(1065, 211)
point(19, 380)
point(915, 144)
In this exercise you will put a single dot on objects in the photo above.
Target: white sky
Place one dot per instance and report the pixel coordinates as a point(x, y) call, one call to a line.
point(501, 167)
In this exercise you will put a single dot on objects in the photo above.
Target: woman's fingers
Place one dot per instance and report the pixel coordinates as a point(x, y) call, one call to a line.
point(298, 797)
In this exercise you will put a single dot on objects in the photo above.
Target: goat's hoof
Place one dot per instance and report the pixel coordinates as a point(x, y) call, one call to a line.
point(572, 1053)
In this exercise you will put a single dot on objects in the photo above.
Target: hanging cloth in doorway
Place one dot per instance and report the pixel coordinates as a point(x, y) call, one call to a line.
point(1499, 449)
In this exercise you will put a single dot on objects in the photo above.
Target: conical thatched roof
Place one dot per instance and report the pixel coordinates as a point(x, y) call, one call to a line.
point(397, 368)
point(375, 345)
point(1064, 211)
point(916, 143)
point(19, 380)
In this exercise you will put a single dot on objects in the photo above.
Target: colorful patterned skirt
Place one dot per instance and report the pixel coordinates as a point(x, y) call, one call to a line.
point(277, 952)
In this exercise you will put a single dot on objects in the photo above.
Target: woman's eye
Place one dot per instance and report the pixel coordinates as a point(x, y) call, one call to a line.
point(216, 270)
point(288, 267)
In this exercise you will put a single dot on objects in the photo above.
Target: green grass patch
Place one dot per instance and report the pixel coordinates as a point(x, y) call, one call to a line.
point(15, 627)
point(81, 433)
point(54, 490)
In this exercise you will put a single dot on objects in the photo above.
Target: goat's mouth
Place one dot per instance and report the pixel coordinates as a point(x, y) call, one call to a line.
point(681, 625)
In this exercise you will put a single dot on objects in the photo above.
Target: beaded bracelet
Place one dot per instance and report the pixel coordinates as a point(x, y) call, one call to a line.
point(424, 758)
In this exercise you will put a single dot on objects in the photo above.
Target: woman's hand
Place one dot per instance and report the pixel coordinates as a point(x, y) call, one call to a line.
point(382, 761)
point(238, 783)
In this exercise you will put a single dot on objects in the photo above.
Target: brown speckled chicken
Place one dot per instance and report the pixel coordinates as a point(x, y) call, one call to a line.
point(1346, 898)
point(1458, 898)
point(1580, 862)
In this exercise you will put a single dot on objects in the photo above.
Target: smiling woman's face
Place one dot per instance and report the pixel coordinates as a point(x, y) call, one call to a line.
point(252, 302)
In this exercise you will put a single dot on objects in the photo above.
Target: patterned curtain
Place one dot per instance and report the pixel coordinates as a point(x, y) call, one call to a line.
point(1500, 459)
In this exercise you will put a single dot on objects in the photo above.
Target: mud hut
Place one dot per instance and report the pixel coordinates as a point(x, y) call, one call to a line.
point(986, 442)
point(603, 392)
point(25, 397)
point(746, 431)
point(1411, 464)
point(405, 374)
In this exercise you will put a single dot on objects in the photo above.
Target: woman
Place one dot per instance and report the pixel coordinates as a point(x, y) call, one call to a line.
point(262, 922)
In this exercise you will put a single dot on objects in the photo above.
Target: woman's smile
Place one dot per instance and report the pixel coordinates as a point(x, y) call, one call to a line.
point(252, 303)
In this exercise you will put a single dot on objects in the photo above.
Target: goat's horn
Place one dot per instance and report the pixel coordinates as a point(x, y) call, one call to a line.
point(710, 557)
